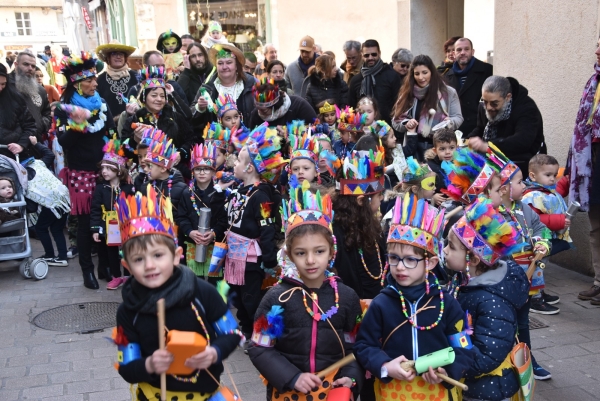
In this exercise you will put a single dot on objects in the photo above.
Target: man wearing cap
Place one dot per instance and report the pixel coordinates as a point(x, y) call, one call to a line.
point(298, 69)
point(117, 79)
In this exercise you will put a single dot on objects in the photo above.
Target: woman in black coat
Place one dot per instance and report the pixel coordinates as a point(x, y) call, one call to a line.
point(324, 83)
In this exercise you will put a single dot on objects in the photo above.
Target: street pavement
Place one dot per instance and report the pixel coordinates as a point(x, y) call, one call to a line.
point(37, 364)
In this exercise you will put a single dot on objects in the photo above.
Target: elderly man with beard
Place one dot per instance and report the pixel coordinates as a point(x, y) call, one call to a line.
point(24, 81)
point(354, 61)
point(192, 77)
point(270, 53)
point(509, 119)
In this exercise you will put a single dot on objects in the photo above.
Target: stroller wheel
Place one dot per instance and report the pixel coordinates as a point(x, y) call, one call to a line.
point(39, 269)
point(24, 269)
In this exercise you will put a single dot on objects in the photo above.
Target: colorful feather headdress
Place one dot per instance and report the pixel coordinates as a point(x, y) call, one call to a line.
point(349, 120)
point(306, 207)
point(267, 98)
point(218, 135)
point(302, 144)
point(415, 171)
point(263, 146)
point(113, 152)
point(483, 231)
point(161, 150)
point(225, 103)
point(415, 222)
point(467, 175)
point(204, 155)
point(362, 173)
point(321, 129)
point(78, 68)
point(501, 164)
point(381, 128)
point(332, 161)
point(144, 215)
point(152, 77)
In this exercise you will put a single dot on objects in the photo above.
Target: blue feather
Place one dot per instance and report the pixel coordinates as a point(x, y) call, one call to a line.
point(275, 321)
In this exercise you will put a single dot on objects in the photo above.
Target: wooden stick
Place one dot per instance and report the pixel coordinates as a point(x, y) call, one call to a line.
point(410, 365)
point(160, 308)
point(339, 364)
point(531, 269)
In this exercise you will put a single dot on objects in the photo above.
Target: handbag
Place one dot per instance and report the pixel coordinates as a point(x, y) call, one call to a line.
point(520, 357)
point(113, 235)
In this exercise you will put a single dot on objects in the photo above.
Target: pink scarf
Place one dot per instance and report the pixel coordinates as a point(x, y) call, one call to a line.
point(426, 120)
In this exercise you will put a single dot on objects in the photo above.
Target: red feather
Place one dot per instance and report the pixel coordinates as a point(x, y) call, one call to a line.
point(261, 324)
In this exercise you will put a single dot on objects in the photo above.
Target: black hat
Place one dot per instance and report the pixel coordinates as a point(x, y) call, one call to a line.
point(3, 72)
point(166, 35)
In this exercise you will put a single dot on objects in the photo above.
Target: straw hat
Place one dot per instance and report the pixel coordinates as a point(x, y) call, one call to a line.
point(212, 52)
point(103, 51)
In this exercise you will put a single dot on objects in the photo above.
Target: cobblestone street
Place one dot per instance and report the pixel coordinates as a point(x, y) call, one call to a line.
point(37, 364)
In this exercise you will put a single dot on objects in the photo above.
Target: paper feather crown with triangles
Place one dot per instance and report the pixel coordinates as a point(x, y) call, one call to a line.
point(152, 77)
point(113, 152)
point(161, 150)
point(305, 207)
point(362, 173)
point(350, 120)
point(415, 222)
point(503, 166)
point(302, 144)
point(225, 103)
point(217, 134)
point(263, 146)
point(204, 155)
point(467, 175)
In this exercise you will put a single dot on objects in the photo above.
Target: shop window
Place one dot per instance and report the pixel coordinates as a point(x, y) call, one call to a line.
point(23, 24)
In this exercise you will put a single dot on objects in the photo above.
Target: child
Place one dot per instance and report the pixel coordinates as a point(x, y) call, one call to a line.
point(218, 136)
point(492, 290)
point(253, 222)
point(7, 195)
point(352, 122)
point(151, 254)
point(329, 163)
point(327, 114)
point(367, 106)
point(302, 325)
point(413, 316)
point(202, 194)
point(444, 145)
point(112, 181)
point(361, 247)
point(214, 35)
point(169, 44)
point(344, 145)
point(140, 176)
point(304, 149)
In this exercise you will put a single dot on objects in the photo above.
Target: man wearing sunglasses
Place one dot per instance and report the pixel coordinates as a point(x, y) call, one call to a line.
point(401, 60)
point(376, 79)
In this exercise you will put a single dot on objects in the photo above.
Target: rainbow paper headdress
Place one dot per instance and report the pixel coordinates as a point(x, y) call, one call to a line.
point(152, 77)
point(381, 128)
point(415, 222)
point(161, 150)
point(225, 103)
point(326, 108)
point(266, 98)
point(349, 120)
point(501, 164)
point(204, 155)
point(113, 153)
point(77, 68)
point(466, 176)
point(415, 171)
point(218, 135)
point(362, 173)
point(263, 146)
point(484, 231)
point(302, 144)
point(144, 215)
point(332, 161)
point(305, 207)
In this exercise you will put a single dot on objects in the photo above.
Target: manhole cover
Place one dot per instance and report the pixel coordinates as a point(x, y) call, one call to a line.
point(78, 318)
point(536, 324)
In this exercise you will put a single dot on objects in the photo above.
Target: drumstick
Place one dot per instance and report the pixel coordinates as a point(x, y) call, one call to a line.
point(339, 364)
point(160, 308)
point(410, 365)
point(533, 264)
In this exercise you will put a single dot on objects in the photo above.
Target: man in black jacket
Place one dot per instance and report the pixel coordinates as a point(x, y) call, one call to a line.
point(467, 76)
point(192, 78)
point(377, 80)
point(509, 119)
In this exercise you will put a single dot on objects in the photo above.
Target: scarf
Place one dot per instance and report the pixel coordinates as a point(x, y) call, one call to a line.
point(426, 120)
point(587, 129)
point(95, 105)
point(305, 67)
point(177, 290)
point(458, 72)
point(275, 114)
point(368, 82)
point(117, 73)
point(491, 128)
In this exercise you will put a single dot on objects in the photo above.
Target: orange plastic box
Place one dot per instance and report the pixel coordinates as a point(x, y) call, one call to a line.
point(183, 344)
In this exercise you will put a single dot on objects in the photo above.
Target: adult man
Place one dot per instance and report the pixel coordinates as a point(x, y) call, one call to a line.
point(354, 61)
point(376, 79)
point(117, 79)
point(467, 76)
point(270, 53)
point(186, 40)
point(509, 119)
point(401, 60)
point(251, 62)
point(23, 80)
point(200, 67)
point(298, 69)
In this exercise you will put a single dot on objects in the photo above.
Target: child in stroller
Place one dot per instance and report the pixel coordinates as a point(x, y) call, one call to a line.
point(7, 194)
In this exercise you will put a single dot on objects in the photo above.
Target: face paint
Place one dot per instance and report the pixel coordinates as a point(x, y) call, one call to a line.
point(428, 183)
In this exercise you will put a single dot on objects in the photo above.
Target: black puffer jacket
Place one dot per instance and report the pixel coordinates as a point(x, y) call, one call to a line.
point(176, 191)
point(299, 109)
point(282, 364)
point(15, 126)
point(104, 195)
point(318, 90)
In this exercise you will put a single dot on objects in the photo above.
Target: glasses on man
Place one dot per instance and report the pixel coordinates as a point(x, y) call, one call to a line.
point(402, 65)
point(367, 55)
point(409, 262)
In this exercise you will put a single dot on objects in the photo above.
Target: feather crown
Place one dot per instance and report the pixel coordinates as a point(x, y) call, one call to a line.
point(302, 144)
point(225, 103)
point(78, 68)
point(501, 164)
point(381, 128)
point(161, 150)
point(305, 207)
point(204, 155)
point(113, 152)
point(350, 120)
point(265, 98)
point(152, 77)
point(467, 175)
point(362, 172)
point(414, 170)
point(217, 134)
point(263, 145)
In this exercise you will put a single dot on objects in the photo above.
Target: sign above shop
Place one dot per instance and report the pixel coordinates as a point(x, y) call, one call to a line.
point(86, 18)
point(8, 34)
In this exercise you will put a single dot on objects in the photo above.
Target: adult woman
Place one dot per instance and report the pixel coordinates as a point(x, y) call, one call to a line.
point(82, 122)
point(323, 82)
point(158, 112)
point(16, 123)
point(53, 95)
point(449, 52)
point(424, 101)
point(276, 71)
point(401, 60)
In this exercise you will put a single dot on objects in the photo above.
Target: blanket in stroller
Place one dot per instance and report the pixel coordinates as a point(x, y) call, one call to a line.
point(47, 190)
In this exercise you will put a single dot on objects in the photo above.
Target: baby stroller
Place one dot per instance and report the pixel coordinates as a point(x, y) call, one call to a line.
point(14, 236)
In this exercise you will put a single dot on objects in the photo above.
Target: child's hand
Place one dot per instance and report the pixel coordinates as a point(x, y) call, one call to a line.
point(203, 360)
point(567, 223)
point(438, 199)
point(343, 382)
point(33, 140)
point(159, 361)
point(96, 237)
point(196, 236)
point(539, 248)
point(306, 382)
point(412, 125)
point(395, 371)
point(225, 185)
point(430, 376)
